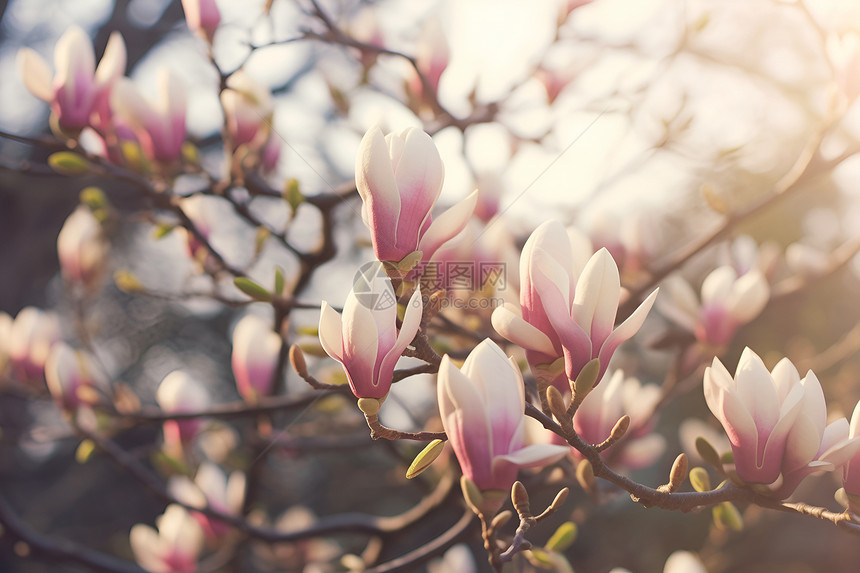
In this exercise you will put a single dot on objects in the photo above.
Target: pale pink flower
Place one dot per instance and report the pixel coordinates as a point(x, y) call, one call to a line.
point(271, 154)
point(813, 446)
point(611, 400)
point(211, 487)
point(178, 392)
point(78, 89)
point(70, 373)
point(31, 337)
point(843, 50)
point(431, 55)
point(633, 239)
point(255, 355)
point(202, 16)
point(727, 303)
point(566, 312)
point(173, 548)
point(365, 339)
point(248, 108)
point(399, 178)
point(482, 407)
point(684, 562)
point(745, 255)
point(851, 471)
point(757, 409)
point(529, 326)
point(81, 248)
point(159, 127)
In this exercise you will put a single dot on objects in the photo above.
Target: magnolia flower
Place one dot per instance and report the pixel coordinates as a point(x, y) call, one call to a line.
point(78, 89)
point(399, 178)
point(611, 400)
point(812, 445)
point(31, 336)
point(255, 356)
point(757, 410)
point(482, 407)
point(211, 488)
point(745, 255)
point(565, 312)
point(270, 155)
point(160, 128)
point(843, 50)
point(365, 339)
point(248, 107)
point(684, 562)
point(74, 377)
point(851, 471)
point(81, 248)
point(431, 56)
point(179, 392)
point(202, 16)
point(728, 302)
point(633, 240)
point(174, 548)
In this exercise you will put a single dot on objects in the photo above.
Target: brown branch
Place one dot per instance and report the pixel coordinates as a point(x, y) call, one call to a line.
point(380, 432)
point(346, 522)
point(237, 409)
point(58, 550)
point(409, 561)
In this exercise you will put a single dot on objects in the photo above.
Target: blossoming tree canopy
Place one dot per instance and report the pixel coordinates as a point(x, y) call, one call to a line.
point(313, 286)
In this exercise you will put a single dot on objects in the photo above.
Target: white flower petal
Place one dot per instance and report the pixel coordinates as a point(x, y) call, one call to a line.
point(508, 322)
point(35, 73)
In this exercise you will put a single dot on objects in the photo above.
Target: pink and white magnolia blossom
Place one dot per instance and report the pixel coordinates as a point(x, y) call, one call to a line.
point(365, 339)
point(159, 127)
point(202, 16)
point(851, 470)
point(178, 392)
point(607, 403)
point(33, 333)
point(399, 178)
point(728, 302)
point(813, 446)
point(255, 356)
point(211, 487)
point(482, 406)
point(248, 108)
point(684, 562)
point(757, 409)
point(79, 92)
point(745, 254)
point(565, 312)
point(529, 326)
point(173, 548)
point(431, 56)
point(74, 377)
point(81, 248)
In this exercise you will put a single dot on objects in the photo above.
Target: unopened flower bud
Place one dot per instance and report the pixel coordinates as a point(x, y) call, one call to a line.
point(585, 475)
point(520, 499)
